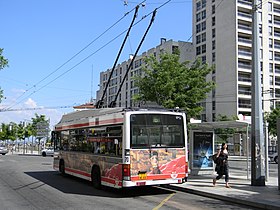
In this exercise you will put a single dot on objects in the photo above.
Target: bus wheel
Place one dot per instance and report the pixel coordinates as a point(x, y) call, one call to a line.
point(96, 177)
point(62, 167)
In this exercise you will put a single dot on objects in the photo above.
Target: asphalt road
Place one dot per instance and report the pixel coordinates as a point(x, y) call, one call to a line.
point(29, 182)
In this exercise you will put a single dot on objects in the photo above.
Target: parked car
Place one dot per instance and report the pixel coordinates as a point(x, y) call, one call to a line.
point(274, 157)
point(3, 150)
point(48, 151)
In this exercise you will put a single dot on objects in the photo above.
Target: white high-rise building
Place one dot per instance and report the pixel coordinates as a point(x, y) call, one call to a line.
point(129, 89)
point(223, 37)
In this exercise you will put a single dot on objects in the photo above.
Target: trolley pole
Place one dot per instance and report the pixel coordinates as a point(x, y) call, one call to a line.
point(257, 134)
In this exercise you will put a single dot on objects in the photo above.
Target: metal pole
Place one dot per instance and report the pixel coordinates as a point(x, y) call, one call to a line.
point(247, 150)
point(257, 136)
point(266, 153)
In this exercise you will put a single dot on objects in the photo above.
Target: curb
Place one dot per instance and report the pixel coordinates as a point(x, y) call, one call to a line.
point(224, 198)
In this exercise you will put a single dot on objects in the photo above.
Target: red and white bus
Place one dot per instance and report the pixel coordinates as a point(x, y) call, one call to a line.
point(121, 148)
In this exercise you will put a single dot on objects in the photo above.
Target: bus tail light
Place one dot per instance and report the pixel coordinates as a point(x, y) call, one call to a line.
point(126, 172)
point(187, 167)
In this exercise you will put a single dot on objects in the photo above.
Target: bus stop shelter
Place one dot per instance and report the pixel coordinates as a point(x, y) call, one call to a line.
point(202, 144)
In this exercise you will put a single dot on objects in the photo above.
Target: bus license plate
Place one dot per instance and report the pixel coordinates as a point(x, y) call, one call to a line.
point(142, 176)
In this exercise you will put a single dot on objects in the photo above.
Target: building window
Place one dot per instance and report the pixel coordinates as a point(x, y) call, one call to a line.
point(203, 59)
point(203, 3)
point(213, 44)
point(198, 50)
point(203, 26)
point(213, 105)
point(213, 21)
point(198, 6)
point(270, 55)
point(270, 30)
point(203, 37)
point(203, 48)
point(198, 17)
point(213, 57)
point(271, 68)
point(203, 14)
point(213, 33)
point(270, 18)
point(270, 43)
point(271, 80)
point(213, 9)
point(260, 28)
point(198, 28)
point(198, 39)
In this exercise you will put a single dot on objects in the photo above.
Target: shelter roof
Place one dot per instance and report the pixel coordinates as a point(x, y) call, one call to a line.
point(220, 124)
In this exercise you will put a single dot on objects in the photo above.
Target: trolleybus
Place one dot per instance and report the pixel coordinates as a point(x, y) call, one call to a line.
point(122, 147)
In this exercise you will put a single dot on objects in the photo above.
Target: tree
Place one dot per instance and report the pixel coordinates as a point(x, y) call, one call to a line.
point(3, 61)
point(172, 84)
point(3, 64)
point(225, 133)
point(271, 118)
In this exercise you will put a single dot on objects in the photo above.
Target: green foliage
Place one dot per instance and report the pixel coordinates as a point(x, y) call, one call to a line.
point(3, 61)
point(13, 131)
point(172, 84)
point(225, 133)
point(271, 118)
point(3, 64)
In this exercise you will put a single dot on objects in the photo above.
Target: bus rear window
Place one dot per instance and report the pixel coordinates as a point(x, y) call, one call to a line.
point(156, 130)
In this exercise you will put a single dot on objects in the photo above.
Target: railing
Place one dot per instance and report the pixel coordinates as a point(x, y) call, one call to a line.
point(241, 105)
point(245, 53)
point(246, 15)
point(244, 92)
point(249, 3)
point(244, 79)
point(244, 27)
point(244, 66)
point(248, 41)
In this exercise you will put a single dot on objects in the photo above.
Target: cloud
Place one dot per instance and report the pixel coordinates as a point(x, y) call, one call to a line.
point(28, 110)
point(30, 103)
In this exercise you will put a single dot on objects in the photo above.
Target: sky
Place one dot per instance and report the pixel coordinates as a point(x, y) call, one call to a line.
point(57, 48)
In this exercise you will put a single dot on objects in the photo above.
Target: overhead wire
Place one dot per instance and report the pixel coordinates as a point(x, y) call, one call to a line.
point(75, 55)
point(103, 46)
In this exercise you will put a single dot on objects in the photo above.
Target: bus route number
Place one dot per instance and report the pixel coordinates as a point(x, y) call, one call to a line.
point(127, 159)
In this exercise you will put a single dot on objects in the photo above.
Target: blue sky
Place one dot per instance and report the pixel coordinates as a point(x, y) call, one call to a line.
point(38, 36)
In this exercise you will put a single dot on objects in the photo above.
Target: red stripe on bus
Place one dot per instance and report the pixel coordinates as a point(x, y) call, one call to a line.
point(101, 122)
point(105, 179)
point(78, 172)
point(111, 181)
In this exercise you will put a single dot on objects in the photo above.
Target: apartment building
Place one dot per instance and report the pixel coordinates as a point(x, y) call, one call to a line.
point(223, 37)
point(129, 89)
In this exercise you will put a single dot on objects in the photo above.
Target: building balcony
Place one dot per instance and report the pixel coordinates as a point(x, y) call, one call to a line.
point(276, 10)
point(244, 53)
point(247, 42)
point(245, 2)
point(277, 22)
point(245, 16)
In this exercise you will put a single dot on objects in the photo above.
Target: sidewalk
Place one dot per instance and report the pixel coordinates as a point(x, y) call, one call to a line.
point(241, 191)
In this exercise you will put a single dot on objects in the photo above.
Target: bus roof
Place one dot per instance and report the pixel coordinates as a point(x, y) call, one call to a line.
point(84, 118)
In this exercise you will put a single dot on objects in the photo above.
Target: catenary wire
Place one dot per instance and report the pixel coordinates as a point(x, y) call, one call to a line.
point(79, 52)
point(65, 72)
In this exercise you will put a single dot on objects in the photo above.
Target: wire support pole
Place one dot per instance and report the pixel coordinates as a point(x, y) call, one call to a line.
point(113, 103)
point(100, 102)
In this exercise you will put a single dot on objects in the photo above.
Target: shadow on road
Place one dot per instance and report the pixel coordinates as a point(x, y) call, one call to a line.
point(74, 185)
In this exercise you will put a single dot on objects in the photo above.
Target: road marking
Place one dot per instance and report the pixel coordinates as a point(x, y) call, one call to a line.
point(163, 202)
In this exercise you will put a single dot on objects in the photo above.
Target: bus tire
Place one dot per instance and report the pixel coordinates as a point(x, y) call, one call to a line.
point(276, 159)
point(96, 177)
point(62, 167)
